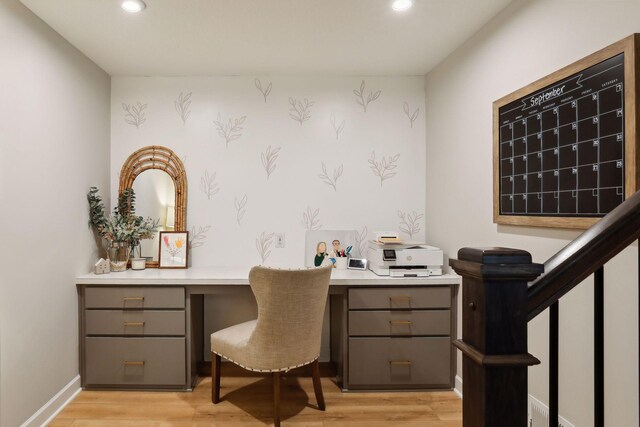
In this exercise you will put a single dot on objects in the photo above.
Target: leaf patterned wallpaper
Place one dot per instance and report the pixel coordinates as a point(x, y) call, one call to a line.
point(281, 154)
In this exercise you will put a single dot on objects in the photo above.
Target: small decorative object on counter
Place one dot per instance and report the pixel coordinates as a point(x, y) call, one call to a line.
point(122, 229)
point(119, 256)
point(138, 263)
point(102, 266)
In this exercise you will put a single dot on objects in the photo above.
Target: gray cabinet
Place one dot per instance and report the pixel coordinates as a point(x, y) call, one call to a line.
point(144, 330)
point(133, 337)
point(400, 338)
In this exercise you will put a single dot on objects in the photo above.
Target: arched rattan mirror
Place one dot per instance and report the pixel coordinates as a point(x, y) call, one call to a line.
point(159, 158)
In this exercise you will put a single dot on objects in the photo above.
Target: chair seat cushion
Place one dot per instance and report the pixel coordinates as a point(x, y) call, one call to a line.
point(232, 344)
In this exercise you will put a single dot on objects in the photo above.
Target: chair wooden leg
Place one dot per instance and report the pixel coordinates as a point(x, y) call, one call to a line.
point(276, 399)
point(317, 387)
point(215, 378)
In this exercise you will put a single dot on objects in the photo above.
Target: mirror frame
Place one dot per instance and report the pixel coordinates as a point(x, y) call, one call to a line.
point(162, 158)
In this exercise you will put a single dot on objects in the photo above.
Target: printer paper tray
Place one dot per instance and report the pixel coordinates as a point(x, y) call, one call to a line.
point(414, 271)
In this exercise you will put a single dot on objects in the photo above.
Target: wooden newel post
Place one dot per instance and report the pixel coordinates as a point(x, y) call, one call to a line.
point(494, 335)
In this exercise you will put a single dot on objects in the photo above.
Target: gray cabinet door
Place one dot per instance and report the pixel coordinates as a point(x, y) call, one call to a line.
point(135, 361)
point(400, 298)
point(403, 362)
point(399, 322)
point(134, 297)
point(135, 322)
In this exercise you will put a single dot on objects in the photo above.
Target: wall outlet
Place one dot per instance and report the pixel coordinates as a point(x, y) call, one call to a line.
point(280, 240)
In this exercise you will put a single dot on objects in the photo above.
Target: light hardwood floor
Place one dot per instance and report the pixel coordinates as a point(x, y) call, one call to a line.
point(247, 401)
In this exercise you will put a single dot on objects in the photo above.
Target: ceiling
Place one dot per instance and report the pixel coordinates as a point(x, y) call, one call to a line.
point(229, 37)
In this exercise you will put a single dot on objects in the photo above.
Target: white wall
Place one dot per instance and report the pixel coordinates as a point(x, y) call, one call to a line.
point(276, 204)
point(527, 41)
point(54, 144)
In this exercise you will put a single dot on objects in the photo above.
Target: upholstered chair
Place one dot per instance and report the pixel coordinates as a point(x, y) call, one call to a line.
point(285, 335)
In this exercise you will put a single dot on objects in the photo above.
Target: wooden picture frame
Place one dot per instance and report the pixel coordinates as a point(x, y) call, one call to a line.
point(173, 249)
point(629, 48)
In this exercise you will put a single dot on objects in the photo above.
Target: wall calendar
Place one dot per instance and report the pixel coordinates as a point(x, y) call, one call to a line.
point(565, 146)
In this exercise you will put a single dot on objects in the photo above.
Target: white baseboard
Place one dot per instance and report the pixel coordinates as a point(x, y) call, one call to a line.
point(458, 386)
point(535, 405)
point(56, 404)
point(539, 414)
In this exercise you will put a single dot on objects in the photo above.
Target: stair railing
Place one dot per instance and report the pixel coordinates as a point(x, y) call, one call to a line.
point(502, 290)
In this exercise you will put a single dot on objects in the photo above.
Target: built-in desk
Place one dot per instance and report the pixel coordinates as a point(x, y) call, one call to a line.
point(144, 329)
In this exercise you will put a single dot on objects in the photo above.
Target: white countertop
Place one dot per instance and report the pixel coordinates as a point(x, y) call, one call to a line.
point(239, 276)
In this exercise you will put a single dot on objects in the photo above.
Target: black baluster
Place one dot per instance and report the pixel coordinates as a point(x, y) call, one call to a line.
point(598, 352)
point(553, 364)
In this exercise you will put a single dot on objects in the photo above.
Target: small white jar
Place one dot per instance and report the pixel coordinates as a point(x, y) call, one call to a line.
point(138, 263)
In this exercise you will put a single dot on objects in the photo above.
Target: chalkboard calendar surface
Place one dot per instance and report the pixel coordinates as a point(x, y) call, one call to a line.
point(561, 149)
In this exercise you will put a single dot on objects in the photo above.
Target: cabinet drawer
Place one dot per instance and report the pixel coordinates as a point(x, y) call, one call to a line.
point(400, 298)
point(138, 322)
point(377, 323)
point(131, 297)
point(135, 361)
point(402, 362)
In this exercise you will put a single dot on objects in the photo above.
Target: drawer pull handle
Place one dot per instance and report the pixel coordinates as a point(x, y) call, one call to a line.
point(400, 362)
point(400, 322)
point(133, 298)
point(402, 297)
point(133, 323)
point(133, 363)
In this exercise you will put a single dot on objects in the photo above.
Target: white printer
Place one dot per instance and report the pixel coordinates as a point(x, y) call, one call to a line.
point(404, 260)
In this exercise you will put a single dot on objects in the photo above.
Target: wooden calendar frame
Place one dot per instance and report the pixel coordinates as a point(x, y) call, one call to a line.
point(629, 47)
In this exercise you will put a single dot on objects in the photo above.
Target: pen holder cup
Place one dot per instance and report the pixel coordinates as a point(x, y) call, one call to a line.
point(341, 263)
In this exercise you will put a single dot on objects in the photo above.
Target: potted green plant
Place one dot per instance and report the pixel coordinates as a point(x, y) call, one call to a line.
point(123, 229)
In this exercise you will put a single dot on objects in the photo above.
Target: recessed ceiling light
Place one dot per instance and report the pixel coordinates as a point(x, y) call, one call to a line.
point(401, 5)
point(132, 6)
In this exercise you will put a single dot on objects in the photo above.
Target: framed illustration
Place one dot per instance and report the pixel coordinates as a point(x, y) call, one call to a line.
point(564, 147)
point(174, 249)
point(322, 247)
